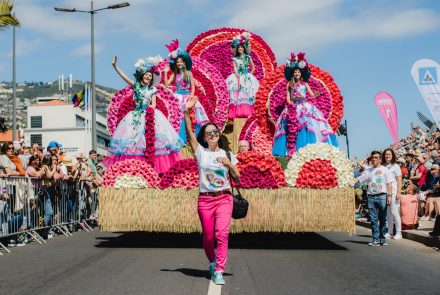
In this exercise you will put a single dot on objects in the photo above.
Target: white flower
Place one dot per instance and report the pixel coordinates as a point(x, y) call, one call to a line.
point(338, 159)
point(139, 63)
point(247, 35)
point(154, 60)
point(130, 181)
point(302, 64)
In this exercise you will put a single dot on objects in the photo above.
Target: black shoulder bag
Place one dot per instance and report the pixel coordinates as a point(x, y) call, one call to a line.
point(241, 205)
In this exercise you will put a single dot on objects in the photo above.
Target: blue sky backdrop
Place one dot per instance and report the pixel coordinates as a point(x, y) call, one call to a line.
point(368, 46)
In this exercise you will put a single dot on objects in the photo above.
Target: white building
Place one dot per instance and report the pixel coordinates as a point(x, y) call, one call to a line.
point(60, 121)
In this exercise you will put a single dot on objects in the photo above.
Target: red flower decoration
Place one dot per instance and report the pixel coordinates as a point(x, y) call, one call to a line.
point(214, 47)
point(150, 135)
point(258, 170)
point(317, 173)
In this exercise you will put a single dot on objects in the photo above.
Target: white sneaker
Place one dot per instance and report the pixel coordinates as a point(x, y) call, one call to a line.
point(424, 218)
point(397, 236)
point(387, 236)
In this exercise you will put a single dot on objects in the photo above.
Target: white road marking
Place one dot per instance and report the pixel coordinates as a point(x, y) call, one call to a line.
point(214, 289)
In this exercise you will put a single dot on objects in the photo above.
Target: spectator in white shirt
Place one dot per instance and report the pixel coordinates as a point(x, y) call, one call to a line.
point(379, 181)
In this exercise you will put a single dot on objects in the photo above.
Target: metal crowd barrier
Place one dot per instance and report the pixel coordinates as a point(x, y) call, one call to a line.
point(32, 207)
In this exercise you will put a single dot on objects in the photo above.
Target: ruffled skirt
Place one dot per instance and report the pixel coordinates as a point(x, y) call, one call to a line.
point(313, 128)
point(200, 114)
point(129, 142)
point(242, 94)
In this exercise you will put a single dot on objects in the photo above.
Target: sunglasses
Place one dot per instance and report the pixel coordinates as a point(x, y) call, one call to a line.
point(212, 133)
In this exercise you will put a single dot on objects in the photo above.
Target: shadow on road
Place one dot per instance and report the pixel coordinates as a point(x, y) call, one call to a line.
point(285, 241)
point(197, 273)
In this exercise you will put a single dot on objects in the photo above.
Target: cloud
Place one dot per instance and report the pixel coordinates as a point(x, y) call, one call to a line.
point(318, 23)
point(85, 50)
point(25, 47)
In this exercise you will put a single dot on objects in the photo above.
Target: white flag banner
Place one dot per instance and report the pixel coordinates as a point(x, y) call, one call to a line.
point(426, 75)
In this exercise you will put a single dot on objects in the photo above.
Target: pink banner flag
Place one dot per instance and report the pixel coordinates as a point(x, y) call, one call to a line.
point(387, 108)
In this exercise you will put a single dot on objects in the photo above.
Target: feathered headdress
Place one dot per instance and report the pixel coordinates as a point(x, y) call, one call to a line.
point(297, 62)
point(175, 52)
point(242, 39)
point(148, 64)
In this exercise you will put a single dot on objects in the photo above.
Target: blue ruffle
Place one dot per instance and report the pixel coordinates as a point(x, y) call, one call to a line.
point(280, 146)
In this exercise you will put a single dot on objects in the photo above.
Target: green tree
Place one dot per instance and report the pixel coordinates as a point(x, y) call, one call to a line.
point(6, 17)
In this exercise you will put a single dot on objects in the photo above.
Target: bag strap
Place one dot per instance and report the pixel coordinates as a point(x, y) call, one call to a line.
point(228, 154)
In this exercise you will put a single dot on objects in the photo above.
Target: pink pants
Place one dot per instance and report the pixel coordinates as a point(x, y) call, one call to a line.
point(215, 216)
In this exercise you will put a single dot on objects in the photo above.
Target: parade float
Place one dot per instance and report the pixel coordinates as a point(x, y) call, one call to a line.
point(313, 193)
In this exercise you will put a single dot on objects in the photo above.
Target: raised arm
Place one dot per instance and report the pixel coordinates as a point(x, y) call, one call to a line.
point(189, 134)
point(166, 81)
point(121, 73)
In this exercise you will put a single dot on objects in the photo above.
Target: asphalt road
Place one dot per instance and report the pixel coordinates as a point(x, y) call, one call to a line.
point(146, 263)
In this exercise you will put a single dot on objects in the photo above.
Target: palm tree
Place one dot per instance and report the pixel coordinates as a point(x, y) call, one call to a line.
point(6, 20)
point(6, 17)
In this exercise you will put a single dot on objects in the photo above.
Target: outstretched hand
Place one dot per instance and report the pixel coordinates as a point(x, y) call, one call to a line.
point(191, 102)
point(115, 60)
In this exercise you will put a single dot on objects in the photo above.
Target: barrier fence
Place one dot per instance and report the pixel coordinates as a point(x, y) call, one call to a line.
point(34, 208)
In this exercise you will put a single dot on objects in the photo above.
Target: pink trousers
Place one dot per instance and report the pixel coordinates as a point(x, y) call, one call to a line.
point(215, 216)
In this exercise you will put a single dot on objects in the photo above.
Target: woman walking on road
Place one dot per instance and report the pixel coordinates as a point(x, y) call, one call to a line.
point(393, 214)
point(215, 199)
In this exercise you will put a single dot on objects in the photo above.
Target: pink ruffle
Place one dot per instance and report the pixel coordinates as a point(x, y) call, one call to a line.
point(240, 111)
point(163, 163)
point(111, 159)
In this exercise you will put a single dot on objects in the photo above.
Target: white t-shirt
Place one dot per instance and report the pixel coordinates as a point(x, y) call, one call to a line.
point(376, 179)
point(6, 162)
point(213, 175)
point(395, 172)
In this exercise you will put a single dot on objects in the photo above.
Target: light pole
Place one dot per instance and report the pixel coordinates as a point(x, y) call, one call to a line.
point(92, 12)
point(14, 89)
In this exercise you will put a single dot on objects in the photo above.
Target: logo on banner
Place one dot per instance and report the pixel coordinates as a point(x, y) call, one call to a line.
point(427, 76)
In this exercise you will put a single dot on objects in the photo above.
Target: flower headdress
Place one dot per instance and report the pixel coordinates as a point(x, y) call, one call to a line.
point(242, 39)
point(148, 64)
point(175, 52)
point(297, 62)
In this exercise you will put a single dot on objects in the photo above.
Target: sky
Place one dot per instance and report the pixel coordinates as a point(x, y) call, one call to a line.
point(366, 45)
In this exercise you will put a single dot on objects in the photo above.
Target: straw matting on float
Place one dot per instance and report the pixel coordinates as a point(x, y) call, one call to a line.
point(276, 210)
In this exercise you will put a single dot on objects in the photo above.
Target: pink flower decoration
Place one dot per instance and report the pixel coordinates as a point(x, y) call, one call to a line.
point(183, 174)
point(133, 168)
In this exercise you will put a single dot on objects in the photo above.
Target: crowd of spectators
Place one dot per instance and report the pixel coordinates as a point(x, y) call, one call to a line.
point(418, 158)
point(47, 166)
point(52, 163)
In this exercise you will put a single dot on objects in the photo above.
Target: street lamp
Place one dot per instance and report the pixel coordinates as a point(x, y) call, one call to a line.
point(92, 12)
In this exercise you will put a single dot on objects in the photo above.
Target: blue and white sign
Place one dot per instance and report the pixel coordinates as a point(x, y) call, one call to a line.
point(425, 74)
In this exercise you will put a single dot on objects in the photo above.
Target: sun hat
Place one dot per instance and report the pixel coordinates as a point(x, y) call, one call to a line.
point(69, 161)
point(297, 62)
point(176, 52)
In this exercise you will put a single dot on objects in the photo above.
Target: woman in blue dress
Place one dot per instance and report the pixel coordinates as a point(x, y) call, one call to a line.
point(313, 126)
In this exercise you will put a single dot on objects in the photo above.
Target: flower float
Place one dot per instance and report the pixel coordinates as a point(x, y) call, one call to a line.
point(214, 47)
point(183, 174)
point(131, 171)
point(150, 135)
point(121, 103)
point(272, 94)
point(260, 171)
point(211, 90)
point(319, 166)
